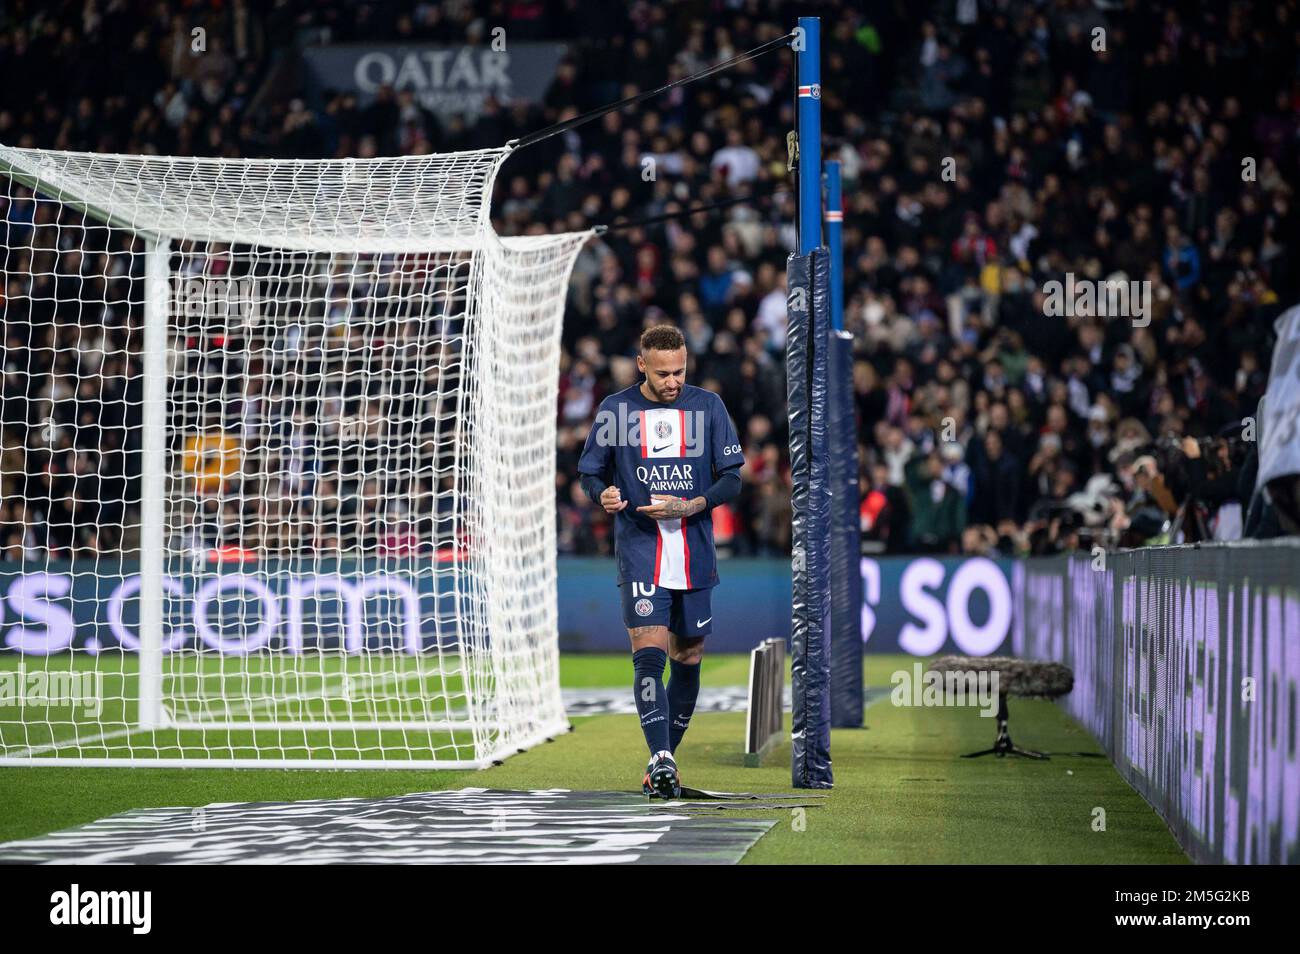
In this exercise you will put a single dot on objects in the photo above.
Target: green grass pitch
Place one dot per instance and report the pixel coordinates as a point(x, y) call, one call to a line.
point(901, 793)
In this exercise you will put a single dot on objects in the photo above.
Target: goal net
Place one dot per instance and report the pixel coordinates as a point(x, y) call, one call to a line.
point(278, 463)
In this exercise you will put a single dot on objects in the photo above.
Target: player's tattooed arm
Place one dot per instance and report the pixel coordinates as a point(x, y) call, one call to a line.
point(665, 507)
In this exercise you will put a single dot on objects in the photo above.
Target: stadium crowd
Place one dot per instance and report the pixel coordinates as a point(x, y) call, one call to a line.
point(989, 148)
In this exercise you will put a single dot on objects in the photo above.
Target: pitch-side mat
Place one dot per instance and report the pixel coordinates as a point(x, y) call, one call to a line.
point(468, 826)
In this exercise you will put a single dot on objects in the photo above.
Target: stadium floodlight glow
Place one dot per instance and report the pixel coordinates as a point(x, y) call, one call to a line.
point(310, 406)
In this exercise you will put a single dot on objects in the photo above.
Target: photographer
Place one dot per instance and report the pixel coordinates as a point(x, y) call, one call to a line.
point(1144, 517)
point(1213, 469)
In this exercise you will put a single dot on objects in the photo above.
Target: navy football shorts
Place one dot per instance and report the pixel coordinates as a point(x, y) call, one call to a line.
point(687, 613)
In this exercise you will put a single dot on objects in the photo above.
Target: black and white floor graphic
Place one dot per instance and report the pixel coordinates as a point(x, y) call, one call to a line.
point(467, 826)
point(619, 701)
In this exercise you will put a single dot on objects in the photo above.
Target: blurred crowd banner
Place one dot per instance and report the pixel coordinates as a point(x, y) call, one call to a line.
point(343, 605)
point(1186, 662)
point(920, 605)
point(445, 80)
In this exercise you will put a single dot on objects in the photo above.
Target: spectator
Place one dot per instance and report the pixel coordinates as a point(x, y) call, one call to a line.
point(1064, 161)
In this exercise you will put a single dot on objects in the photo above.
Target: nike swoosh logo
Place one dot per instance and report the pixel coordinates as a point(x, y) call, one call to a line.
point(664, 448)
point(701, 622)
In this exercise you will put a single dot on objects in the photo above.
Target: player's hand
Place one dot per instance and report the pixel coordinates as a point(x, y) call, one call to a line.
point(612, 500)
point(666, 507)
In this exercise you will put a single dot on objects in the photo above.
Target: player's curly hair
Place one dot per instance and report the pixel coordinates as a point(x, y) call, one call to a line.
point(662, 338)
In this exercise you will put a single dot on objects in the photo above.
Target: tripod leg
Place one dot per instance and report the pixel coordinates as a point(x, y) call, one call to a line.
point(1028, 753)
point(1004, 743)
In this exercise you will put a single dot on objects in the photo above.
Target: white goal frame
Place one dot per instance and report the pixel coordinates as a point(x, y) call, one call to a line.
point(506, 659)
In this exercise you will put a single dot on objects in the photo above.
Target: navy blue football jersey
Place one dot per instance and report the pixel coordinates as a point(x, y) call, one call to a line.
point(645, 447)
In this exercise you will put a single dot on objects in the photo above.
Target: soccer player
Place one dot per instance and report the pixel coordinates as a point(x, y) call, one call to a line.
point(660, 456)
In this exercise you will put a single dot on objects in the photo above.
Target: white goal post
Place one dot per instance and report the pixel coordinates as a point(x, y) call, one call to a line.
point(278, 463)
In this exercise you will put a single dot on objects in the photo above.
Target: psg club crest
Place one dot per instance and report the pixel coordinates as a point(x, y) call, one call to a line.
point(644, 607)
point(663, 429)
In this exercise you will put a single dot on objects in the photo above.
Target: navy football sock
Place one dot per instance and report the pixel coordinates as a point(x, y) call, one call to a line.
point(683, 690)
point(651, 700)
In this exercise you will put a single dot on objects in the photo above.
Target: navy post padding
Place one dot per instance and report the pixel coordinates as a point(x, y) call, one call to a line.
point(808, 281)
point(845, 536)
point(798, 303)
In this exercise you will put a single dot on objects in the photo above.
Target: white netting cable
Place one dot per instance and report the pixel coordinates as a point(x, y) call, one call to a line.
point(359, 404)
